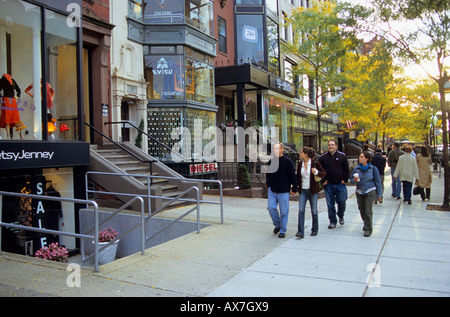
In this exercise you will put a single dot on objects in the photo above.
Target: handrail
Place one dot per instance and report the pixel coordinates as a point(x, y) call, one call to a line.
point(142, 224)
point(58, 232)
point(148, 135)
point(122, 147)
point(148, 195)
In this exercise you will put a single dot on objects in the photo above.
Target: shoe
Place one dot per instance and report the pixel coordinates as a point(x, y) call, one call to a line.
point(367, 233)
point(313, 234)
point(281, 235)
point(299, 235)
point(409, 202)
point(331, 226)
point(399, 197)
point(341, 221)
point(276, 230)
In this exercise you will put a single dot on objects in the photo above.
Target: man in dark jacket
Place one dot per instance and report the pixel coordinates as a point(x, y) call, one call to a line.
point(335, 163)
point(379, 161)
point(279, 184)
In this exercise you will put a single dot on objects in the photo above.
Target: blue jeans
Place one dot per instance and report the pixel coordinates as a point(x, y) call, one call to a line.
point(302, 198)
point(335, 194)
point(280, 218)
point(396, 184)
point(407, 189)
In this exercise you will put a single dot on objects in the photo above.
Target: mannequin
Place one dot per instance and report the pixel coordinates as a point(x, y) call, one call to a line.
point(9, 111)
point(50, 94)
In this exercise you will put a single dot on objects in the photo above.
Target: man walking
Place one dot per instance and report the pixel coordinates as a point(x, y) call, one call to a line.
point(335, 163)
point(393, 157)
point(379, 161)
point(279, 184)
point(406, 171)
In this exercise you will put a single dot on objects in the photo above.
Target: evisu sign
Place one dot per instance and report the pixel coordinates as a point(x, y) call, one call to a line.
point(203, 168)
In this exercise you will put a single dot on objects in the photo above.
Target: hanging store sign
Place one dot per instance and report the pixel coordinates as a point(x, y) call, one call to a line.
point(43, 154)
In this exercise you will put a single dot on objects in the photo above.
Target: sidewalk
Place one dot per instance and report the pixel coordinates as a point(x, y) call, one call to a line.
point(410, 249)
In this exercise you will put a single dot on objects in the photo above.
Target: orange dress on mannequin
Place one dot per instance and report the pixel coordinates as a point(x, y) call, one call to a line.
point(9, 111)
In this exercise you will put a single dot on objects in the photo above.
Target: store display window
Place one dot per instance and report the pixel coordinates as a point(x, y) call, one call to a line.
point(40, 213)
point(24, 103)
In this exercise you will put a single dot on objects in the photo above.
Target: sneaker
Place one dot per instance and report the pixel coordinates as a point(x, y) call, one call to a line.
point(367, 233)
point(299, 235)
point(276, 230)
point(313, 234)
point(331, 226)
point(341, 221)
point(281, 235)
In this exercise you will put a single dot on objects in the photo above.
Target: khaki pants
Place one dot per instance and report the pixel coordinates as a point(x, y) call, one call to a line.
point(365, 204)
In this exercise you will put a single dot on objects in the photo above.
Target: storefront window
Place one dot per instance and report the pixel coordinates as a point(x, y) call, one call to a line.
point(62, 101)
point(197, 13)
point(21, 71)
point(165, 76)
point(250, 41)
point(273, 47)
point(199, 81)
point(278, 113)
point(43, 213)
point(20, 66)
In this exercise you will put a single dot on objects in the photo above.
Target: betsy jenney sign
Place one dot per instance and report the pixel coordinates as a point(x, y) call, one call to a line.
point(41, 154)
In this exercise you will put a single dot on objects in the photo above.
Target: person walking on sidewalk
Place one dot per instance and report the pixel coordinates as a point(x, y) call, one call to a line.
point(308, 189)
point(406, 170)
point(393, 157)
point(423, 164)
point(335, 164)
point(368, 188)
point(379, 161)
point(279, 184)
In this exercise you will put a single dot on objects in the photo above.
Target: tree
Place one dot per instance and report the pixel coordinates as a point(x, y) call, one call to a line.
point(322, 45)
point(426, 39)
point(371, 95)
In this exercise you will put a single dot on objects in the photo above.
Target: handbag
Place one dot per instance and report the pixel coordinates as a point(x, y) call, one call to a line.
point(317, 178)
point(416, 190)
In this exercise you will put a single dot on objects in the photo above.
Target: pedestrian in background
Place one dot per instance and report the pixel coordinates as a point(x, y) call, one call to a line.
point(423, 164)
point(335, 164)
point(406, 171)
point(279, 184)
point(368, 188)
point(308, 189)
point(393, 157)
point(379, 161)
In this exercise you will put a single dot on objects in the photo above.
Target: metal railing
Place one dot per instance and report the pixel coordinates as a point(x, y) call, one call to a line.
point(80, 236)
point(123, 148)
point(96, 227)
point(148, 195)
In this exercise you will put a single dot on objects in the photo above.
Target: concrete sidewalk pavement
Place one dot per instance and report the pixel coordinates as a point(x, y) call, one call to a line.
point(408, 254)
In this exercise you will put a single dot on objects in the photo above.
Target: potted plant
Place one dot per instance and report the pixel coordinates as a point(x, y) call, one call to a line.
point(105, 236)
point(53, 252)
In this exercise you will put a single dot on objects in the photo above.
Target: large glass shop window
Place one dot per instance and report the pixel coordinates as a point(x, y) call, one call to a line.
point(20, 67)
point(62, 114)
point(199, 76)
point(250, 48)
point(165, 76)
point(21, 73)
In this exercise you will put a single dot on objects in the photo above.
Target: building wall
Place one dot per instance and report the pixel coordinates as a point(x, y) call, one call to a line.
point(227, 13)
point(127, 74)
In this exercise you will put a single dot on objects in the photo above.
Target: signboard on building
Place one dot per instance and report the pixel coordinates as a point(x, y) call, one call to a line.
point(43, 154)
